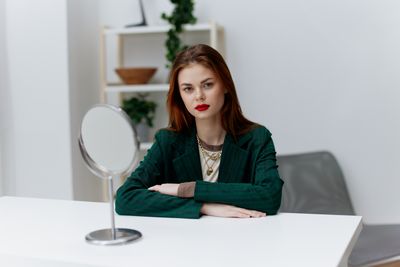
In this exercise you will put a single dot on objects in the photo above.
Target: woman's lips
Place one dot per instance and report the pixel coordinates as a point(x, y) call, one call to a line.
point(202, 107)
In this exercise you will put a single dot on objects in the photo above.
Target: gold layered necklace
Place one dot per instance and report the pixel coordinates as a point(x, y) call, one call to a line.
point(209, 158)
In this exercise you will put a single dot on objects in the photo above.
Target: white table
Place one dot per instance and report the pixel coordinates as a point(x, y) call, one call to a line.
point(45, 232)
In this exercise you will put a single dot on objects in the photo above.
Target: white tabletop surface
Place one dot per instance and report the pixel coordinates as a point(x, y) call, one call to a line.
point(45, 232)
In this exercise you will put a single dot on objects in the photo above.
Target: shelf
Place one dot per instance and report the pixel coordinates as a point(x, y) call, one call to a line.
point(142, 88)
point(156, 29)
point(145, 146)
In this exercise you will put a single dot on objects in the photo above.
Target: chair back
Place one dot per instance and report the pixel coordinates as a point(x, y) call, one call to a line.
point(314, 183)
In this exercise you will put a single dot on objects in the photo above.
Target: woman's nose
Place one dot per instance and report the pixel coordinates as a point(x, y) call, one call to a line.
point(199, 94)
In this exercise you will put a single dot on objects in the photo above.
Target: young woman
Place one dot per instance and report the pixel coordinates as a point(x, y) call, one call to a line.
point(211, 160)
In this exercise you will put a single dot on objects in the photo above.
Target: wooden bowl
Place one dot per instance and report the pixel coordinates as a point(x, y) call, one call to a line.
point(135, 75)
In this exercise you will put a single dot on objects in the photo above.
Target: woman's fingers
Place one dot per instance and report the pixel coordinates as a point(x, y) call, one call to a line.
point(166, 189)
point(239, 214)
point(249, 213)
point(223, 210)
point(154, 188)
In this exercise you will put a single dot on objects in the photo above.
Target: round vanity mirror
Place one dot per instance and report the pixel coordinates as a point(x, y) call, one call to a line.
point(109, 147)
point(108, 141)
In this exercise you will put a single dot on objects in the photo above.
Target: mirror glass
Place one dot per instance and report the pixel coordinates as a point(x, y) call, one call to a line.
point(108, 141)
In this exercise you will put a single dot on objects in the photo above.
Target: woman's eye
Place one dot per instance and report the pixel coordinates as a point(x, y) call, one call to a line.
point(208, 85)
point(187, 89)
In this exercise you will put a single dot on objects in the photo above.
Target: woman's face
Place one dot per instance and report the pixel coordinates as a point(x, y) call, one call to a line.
point(202, 92)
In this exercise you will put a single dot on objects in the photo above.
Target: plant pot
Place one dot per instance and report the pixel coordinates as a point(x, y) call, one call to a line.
point(142, 131)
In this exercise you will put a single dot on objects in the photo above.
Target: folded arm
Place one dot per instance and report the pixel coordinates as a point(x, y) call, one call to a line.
point(134, 198)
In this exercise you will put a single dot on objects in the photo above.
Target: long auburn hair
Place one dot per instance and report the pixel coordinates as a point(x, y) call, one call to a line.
point(232, 118)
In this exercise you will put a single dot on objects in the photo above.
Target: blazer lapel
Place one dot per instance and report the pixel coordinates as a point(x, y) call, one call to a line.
point(187, 165)
point(233, 161)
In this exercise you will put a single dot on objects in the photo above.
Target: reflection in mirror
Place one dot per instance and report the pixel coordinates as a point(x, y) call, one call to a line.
point(109, 147)
point(109, 140)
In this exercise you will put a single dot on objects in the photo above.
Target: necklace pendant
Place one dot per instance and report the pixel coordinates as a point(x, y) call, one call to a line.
point(214, 157)
point(209, 171)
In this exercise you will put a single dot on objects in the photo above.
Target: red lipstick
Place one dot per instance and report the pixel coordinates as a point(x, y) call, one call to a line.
point(202, 107)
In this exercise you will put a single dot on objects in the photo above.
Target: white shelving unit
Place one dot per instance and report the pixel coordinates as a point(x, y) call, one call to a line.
point(159, 29)
point(113, 93)
point(122, 88)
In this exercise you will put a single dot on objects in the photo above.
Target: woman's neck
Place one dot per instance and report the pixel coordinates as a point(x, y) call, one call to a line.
point(210, 132)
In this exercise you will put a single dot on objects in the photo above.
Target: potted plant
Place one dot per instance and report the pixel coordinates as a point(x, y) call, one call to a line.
point(142, 112)
point(182, 14)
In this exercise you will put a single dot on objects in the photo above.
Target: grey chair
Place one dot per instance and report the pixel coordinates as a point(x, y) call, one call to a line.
point(314, 183)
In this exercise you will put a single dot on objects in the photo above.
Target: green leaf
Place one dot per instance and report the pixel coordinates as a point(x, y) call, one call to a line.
point(181, 15)
point(140, 109)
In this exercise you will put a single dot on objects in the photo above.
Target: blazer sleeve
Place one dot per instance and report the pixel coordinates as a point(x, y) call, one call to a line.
point(133, 197)
point(263, 194)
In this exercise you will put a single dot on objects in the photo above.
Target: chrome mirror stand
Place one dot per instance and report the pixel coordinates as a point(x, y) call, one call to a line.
point(112, 236)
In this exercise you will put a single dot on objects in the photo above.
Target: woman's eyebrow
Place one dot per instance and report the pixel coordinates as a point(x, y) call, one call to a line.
point(186, 84)
point(205, 80)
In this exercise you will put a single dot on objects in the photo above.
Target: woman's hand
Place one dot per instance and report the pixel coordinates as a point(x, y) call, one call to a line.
point(166, 189)
point(222, 210)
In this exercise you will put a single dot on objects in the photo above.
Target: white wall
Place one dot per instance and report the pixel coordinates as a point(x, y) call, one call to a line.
point(7, 153)
point(53, 73)
point(2, 88)
point(322, 75)
point(36, 40)
point(84, 81)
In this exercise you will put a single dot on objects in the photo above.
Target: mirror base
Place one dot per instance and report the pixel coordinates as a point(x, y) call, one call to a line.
point(104, 237)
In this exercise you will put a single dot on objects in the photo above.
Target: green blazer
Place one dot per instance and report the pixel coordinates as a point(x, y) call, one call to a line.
point(248, 176)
